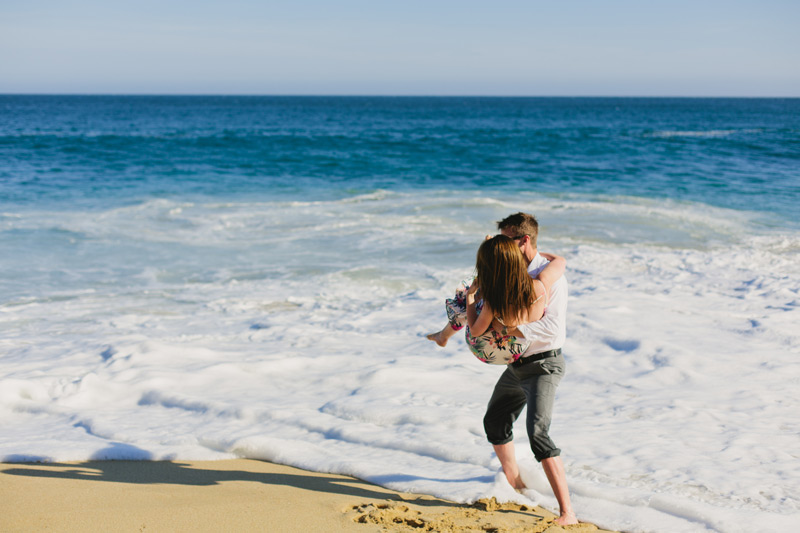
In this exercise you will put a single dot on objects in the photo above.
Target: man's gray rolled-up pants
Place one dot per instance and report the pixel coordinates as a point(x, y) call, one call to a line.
point(532, 384)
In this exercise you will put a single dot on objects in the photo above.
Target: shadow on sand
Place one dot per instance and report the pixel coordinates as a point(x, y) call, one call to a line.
point(144, 471)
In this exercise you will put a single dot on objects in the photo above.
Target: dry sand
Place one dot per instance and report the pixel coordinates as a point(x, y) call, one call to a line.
point(235, 495)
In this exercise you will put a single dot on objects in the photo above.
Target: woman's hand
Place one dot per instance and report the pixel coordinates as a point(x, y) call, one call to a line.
point(472, 292)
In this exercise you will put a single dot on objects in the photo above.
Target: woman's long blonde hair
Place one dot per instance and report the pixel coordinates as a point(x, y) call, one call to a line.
point(503, 278)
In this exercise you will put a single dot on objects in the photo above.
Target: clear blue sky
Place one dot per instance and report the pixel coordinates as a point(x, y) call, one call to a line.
point(447, 47)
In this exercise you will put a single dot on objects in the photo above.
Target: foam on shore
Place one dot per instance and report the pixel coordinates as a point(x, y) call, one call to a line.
point(294, 332)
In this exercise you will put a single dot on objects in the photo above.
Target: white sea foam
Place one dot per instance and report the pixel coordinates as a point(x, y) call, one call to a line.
point(700, 133)
point(294, 332)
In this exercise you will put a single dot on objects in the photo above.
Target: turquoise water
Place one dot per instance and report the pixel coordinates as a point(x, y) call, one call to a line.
point(96, 151)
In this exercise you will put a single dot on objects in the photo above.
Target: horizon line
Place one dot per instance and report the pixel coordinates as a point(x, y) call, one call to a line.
point(355, 95)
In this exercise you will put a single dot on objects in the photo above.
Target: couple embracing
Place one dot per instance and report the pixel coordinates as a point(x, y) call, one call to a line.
point(515, 314)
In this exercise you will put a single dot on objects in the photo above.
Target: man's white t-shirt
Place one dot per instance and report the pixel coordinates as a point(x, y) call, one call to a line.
point(550, 332)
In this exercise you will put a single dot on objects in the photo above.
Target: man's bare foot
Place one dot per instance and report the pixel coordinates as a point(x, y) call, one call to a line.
point(566, 519)
point(515, 480)
point(438, 337)
point(518, 484)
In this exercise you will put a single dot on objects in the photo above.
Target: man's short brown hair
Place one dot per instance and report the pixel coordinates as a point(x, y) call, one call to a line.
point(521, 224)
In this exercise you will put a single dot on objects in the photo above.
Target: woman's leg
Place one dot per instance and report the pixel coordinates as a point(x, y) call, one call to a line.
point(456, 308)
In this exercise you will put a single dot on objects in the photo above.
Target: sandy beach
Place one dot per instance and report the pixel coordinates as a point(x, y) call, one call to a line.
point(233, 495)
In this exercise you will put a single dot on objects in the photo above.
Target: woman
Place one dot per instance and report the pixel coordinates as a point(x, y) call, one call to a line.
point(502, 296)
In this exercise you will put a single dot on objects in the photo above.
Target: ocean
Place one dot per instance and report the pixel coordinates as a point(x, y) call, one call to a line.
point(208, 277)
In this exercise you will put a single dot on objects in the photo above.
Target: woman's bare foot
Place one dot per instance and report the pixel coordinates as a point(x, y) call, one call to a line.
point(441, 337)
point(566, 519)
point(438, 338)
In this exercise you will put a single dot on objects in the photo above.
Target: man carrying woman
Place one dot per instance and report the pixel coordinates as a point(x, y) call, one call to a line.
point(532, 332)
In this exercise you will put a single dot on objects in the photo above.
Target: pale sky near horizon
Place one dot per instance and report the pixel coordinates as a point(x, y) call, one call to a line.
point(361, 47)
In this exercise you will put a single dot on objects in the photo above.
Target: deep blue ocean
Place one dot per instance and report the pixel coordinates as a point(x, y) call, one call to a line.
point(99, 151)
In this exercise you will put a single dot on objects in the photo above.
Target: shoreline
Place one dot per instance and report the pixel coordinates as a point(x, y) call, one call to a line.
point(238, 495)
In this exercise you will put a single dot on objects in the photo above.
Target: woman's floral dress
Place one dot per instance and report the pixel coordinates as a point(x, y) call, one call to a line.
point(493, 347)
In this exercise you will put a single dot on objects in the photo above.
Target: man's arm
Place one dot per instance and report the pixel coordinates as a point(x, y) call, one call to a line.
point(549, 275)
point(553, 271)
point(547, 327)
point(552, 324)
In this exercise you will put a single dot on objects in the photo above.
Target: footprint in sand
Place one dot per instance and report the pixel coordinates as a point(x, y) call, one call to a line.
point(484, 516)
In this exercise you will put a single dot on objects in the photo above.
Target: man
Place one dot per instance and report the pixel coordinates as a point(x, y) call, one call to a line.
point(532, 380)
